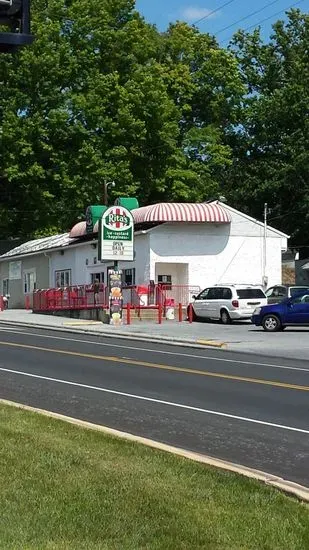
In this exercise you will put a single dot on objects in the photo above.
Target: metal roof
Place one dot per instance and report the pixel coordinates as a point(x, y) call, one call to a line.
point(37, 245)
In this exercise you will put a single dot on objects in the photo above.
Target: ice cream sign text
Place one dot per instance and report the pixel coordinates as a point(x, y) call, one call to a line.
point(118, 220)
point(116, 234)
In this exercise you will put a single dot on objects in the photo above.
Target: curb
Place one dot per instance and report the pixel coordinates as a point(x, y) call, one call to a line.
point(286, 486)
point(142, 336)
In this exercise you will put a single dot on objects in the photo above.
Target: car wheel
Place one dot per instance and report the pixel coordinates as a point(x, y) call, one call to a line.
point(271, 323)
point(224, 317)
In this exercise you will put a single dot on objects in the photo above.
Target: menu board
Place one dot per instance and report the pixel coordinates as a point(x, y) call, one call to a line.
point(115, 297)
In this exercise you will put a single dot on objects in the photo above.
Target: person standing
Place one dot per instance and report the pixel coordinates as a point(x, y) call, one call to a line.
point(96, 291)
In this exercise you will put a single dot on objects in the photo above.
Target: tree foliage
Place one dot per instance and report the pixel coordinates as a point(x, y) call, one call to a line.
point(271, 142)
point(101, 95)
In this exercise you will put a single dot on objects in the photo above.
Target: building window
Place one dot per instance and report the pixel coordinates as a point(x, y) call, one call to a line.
point(29, 281)
point(5, 287)
point(128, 277)
point(63, 278)
point(166, 281)
point(99, 276)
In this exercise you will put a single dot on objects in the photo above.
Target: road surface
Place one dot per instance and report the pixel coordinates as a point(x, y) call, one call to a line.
point(249, 410)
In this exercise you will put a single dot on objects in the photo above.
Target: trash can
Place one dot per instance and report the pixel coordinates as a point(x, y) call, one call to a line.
point(142, 292)
point(169, 305)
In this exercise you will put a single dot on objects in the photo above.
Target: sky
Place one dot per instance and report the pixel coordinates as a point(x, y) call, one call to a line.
point(227, 14)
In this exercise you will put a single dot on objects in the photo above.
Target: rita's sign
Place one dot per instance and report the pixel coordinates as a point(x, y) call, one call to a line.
point(116, 234)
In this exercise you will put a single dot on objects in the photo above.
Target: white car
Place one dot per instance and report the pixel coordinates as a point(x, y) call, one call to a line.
point(228, 302)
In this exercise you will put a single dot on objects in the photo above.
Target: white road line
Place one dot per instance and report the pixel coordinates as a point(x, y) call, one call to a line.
point(152, 400)
point(151, 350)
point(9, 329)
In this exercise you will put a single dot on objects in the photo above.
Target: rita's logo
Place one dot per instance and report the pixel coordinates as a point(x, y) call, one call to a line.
point(117, 219)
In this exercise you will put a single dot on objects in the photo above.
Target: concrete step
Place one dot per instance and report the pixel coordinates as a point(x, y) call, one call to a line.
point(152, 315)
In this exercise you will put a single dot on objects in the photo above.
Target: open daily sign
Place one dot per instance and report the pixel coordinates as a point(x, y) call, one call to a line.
point(116, 234)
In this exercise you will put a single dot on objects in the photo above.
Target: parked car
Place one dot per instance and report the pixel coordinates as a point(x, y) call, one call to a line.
point(227, 302)
point(291, 312)
point(277, 293)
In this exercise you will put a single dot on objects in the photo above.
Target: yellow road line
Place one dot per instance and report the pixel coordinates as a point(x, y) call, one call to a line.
point(161, 367)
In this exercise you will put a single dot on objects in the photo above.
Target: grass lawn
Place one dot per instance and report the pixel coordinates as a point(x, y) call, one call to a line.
point(64, 487)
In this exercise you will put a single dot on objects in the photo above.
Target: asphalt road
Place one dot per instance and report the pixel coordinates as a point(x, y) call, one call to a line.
point(246, 409)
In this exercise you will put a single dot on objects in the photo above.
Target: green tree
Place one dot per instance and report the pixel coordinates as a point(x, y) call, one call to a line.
point(271, 142)
point(102, 95)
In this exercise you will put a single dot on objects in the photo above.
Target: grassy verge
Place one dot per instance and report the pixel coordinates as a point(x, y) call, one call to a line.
point(63, 487)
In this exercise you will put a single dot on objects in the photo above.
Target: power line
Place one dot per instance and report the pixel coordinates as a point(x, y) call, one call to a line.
point(266, 19)
point(247, 16)
point(209, 14)
point(274, 15)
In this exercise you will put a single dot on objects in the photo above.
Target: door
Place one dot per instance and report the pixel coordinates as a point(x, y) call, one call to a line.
point(200, 303)
point(217, 301)
point(211, 303)
point(297, 312)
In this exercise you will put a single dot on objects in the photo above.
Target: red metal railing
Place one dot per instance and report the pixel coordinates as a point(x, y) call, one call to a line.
point(78, 297)
point(73, 297)
point(178, 294)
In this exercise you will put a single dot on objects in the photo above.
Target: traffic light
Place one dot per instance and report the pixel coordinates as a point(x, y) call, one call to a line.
point(14, 25)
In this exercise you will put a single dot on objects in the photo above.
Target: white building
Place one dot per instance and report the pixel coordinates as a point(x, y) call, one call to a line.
point(178, 244)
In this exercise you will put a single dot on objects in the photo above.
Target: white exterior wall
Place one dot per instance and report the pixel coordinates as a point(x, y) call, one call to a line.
point(218, 253)
point(209, 254)
point(81, 260)
point(142, 259)
point(58, 261)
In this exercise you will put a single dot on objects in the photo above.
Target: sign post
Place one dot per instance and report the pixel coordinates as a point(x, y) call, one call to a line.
point(116, 242)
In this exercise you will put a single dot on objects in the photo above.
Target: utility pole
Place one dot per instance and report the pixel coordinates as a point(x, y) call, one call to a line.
point(265, 278)
point(106, 185)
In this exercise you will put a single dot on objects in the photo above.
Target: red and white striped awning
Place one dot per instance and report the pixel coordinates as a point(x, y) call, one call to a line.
point(181, 212)
point(79, 230)
point(170, 212)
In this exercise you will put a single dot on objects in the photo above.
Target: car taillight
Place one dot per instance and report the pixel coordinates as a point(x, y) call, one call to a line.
point(235, 303)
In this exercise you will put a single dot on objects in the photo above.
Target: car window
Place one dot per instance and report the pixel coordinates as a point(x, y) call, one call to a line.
point(296, 289)
point(247, 293)
point(203, 295)
point(303, 298)
point(276, 291)
point(269, 292)
point(212, 294)
point(281, 291)
point(226, 294)
point(219, 292)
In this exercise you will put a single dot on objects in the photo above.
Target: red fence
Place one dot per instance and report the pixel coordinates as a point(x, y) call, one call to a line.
point(74, 297)
point(137, 296)
point(176, 294)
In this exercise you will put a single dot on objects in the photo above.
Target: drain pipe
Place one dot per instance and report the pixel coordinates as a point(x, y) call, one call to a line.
point(49, 273)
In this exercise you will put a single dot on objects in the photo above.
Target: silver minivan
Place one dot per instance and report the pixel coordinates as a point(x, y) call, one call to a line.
point(228, 302)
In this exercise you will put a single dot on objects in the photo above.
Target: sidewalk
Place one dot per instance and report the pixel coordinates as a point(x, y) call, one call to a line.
point(242, 337)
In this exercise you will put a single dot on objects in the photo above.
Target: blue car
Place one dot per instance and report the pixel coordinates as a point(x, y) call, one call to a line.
point(290, 312)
